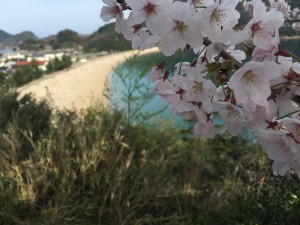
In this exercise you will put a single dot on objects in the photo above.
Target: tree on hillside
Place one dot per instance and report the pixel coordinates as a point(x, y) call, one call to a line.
point(32, 45)
point(57, 64)
point(27, 73)
point(106, 39)
point(2, 78)
point(66, 39)
point(67, 36)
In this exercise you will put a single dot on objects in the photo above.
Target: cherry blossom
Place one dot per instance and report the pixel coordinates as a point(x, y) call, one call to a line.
point(196, 88)
point(252, 81)
point(143, 10)
point(257, 92)
point(238, 55)
point(221, 15)
point(200, 4)
point(292, 139)
point(281, 6)
point(232, 116)
point(179, 27)
point(263, 27)
point(248, 6)
point(112, 10)
point(279, 151)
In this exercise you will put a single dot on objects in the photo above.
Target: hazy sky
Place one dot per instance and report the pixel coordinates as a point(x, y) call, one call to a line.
point(47, 17)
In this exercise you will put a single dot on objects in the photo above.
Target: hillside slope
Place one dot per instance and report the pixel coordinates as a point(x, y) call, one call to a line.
point(4, 35)
point(15, 40)
point(104, 39)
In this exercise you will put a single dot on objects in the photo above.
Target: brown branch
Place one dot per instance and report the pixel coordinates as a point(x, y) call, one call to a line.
point(223, 53)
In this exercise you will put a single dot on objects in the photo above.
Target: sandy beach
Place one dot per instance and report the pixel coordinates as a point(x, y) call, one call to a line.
point(79, 86)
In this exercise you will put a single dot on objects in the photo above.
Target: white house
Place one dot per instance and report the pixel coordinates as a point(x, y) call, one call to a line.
point(36, 57)
point(14, 55)
point(49, 56)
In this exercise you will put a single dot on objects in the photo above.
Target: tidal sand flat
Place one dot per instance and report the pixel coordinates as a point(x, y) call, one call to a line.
point(79, 86)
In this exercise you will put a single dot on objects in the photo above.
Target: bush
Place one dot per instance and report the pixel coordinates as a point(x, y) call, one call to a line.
point(57, 64)
point(91, 170)
point(32, 45)
point(26, 74)
point(20, 118)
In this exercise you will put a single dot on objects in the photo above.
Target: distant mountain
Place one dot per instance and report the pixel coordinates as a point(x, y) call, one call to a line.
point(106, 39)
point(4, 35)
point(65, 39)
point(15, 40)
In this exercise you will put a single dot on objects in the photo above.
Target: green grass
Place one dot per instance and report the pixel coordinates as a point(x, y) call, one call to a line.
point(91, 170)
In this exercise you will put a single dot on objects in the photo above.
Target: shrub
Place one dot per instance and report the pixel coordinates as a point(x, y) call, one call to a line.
point(26, 74)
point(20, 118)
point(57, 64)
point(92, 170)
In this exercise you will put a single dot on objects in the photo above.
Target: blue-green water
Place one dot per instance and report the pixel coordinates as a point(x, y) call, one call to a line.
point(166, 117)
point(155, 104)
point(292, 45)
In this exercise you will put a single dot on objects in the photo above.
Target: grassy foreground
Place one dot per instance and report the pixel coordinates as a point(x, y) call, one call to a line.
point(95, 170)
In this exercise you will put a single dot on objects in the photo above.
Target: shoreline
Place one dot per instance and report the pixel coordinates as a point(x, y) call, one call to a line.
point(80, 86)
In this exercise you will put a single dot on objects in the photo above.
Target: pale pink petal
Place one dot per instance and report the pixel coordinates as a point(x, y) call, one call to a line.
point(259, 10)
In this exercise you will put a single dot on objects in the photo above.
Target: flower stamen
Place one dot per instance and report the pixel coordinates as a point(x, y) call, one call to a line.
point(232, 112)
point(250, 78)
point(180, 27)
point(218, 15)
point(197, 88)
point(150, 10)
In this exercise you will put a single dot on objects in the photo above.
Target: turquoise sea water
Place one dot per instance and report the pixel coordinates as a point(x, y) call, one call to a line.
point(166, 117)
point(292, 45)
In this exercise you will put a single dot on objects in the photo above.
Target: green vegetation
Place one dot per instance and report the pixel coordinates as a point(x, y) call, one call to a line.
point(59, 168)
point(26, 74)
point(2, 78)
point(90, 170)
point(31, 118)
point(14, 40)
point(33, 45)
point(57, 64)
point(66, 39)
point(294, 3)
point(106, 39)
point(136, 93)
point(67, 36)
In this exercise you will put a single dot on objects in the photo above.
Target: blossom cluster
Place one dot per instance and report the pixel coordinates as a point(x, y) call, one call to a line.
point(282, 6)
point(256, 88)
point(296, 16)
